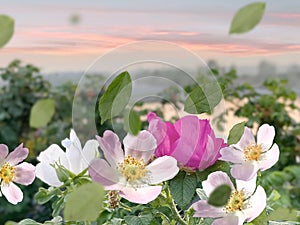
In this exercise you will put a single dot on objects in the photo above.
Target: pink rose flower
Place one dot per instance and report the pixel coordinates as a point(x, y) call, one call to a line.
point(190, 140)
point(130, 172)
point(246, 201)
point(11, 171)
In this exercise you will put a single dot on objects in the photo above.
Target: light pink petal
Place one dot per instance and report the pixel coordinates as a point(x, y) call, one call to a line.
point(25, 173)
point(246, 140)
point(89, 152)
point(102, 173)
point(141, 195)
point(229, 220)
point(257, 204)
point(47, 174)
point(157, 127)
point(162, 169)
point(111, 148)
point(269, 158)
point(232, 155)
point(203, 209)
point(12, 192)
point(54, 154)
point(3, 152)
point(210, 154)
point(265, 135)
point(168, 144)
point(141, 146)
point(245, 171)
point(214, 180)
point(188, 129)
point(17, 155)
point(247, 186)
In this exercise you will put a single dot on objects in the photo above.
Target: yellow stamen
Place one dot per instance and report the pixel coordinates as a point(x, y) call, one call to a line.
point(132, 169)
point(253, 152)
point(7, 173)
point(236, 202)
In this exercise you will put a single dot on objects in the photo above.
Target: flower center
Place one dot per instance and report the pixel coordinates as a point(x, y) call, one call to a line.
point(7, 173)
point(253, 152)
point(236, 201)
point(132, 169)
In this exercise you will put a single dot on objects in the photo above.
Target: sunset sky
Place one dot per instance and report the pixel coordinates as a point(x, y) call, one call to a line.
point(45, 36)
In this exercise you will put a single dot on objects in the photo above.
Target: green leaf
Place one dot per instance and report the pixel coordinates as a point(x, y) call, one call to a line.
point(284, 214)
point(84, 203)
point(41, 113)
point(183, 188)
point(201, 193)
point(132, 122)
point(44, 195)
point(262, 219)
point(116, 97)
point(220, 196)
point(6, 29)
point(203, 98)
point(138, 220)
point(236, 133)
point(247, 17)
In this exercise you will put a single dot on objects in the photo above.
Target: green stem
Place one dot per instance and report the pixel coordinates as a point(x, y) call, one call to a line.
point(174, 210)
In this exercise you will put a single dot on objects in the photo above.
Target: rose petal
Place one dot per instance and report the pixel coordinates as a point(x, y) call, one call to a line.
point(257, 204)
point(247, 186)
point(265, 135)
point(52, 155)
point(111, 148)
point(73, 140)
point(246, 139)
point(245, 171)
point(162, 169)
point(3, 152)
point(230, 154)
point(25, 173)
point(141, 195)
point(229, 220)
point(102, 173)
point(17, 155)
point(47, 174)
point(12, 192)
point(203, 209)
point(157, 127)
point(269, 158)
point(74, 156)
point(188, 129)
point(214, 180)
point(89, 152)
point(141, 146)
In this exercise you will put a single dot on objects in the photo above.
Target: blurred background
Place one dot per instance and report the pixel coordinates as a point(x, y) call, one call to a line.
point(56, 42)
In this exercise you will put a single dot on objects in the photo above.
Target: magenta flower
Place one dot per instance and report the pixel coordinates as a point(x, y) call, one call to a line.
point(248, 156)
point(246, 201)
point(189, 140)
point(11, 171)
point(129, 171)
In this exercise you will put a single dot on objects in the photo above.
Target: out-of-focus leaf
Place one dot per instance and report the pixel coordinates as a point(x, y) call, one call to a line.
point(247, 17)
point(6, 29)
point(220, 196)
point(41, 113)
point(284, 214)
point(84, 203)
